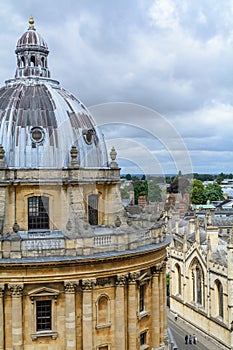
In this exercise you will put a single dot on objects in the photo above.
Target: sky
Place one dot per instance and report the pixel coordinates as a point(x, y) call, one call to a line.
point(157, 75)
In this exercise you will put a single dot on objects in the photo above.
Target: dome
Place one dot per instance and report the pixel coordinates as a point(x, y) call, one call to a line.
point(31, 39)
point(39, 120)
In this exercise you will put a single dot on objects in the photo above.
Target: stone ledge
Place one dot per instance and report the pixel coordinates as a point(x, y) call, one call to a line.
point(51, 334)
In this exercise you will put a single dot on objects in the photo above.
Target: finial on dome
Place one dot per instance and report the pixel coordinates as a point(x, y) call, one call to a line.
point(31, 22)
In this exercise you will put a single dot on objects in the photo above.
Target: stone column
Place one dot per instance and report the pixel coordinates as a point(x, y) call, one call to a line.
point(2, 347)
point(155, 314)
point(120, 313)
point(132, 311)
point(161, 302)
point(87, 329)
point(17, 316)
point(70, 315)
point(164, 302)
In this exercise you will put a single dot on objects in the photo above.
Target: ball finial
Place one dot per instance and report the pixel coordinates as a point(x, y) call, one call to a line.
point(31, 21)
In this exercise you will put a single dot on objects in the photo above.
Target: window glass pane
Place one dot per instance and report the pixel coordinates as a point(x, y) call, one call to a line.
point(38, 213)
point(43, 315)
point(143, 338)
point(141, 301)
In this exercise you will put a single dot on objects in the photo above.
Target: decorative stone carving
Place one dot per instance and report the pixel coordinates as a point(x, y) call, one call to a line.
point(133, 276)
point(2, 155)
point(118, 222)
point(113, 155)
point(2, 287)
point(70, 286)
point(16, 290)
point(88, 284)
point(69, 225)
point(121, 280)
point(74, 155)
point(16, 227)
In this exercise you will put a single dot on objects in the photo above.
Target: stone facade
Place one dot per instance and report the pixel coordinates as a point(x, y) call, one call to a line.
point(77, 270)
point(201, 277)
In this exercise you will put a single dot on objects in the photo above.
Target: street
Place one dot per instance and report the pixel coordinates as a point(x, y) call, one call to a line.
point(179, 334)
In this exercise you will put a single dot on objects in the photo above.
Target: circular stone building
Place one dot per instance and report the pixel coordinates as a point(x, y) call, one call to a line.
point(77, 270)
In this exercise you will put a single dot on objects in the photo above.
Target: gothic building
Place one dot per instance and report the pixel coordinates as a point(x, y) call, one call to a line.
point(77, 271)
point(201, 268)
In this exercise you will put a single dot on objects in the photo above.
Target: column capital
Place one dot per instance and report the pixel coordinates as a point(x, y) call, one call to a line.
point(70, 286)
point(16, 290)
point(121, 280)
point(88, 284)
point(2, 288)
point(133, 276)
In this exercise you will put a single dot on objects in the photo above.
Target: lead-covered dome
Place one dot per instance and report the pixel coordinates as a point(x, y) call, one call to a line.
point(39, 120)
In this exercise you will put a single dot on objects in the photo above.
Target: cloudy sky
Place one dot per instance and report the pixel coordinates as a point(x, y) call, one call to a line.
point(157, 73)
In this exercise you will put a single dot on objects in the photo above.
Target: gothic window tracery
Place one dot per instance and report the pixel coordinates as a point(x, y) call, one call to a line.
point(219, 299)
point(197, 282)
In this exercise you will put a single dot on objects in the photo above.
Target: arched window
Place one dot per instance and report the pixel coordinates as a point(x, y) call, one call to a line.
point(42, 62)
point(33, 61)
point(93, 209)
point(199, 285)
point(219, 300)
point(197, 282)
point(178, 279)
point(38, 213)
point(22, 63)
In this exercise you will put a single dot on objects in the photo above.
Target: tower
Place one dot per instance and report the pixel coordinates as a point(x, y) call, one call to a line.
point(72, 261)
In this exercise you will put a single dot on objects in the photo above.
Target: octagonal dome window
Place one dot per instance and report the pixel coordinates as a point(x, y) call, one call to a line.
point(37, 134)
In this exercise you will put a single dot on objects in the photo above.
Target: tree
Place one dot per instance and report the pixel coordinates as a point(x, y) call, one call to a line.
point(179, 185)
point(128, 177)
point(154, 191)
point(125, 192)
point(140, 189)
point(197, 193)
point(213, 192)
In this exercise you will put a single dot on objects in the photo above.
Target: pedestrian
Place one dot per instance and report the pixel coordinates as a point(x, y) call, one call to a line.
point(194, 339)
point(186, 339)
point(176, 317)
point(190, 339)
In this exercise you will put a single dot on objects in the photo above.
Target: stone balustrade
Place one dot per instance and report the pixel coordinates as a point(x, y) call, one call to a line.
point(54, 243)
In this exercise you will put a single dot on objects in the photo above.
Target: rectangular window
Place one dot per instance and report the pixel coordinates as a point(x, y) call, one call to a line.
point(43, 315)
point(38, 213)
point(141, 297)
point(143, 338)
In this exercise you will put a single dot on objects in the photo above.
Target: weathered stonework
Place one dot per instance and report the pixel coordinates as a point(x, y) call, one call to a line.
point(72, 260)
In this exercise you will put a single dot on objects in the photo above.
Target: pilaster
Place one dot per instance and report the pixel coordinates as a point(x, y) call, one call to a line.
point(155, 309)
point(70, 315)
point(17, 316)
point(120, 313)
point(87, 323)
point(132, 311)
point(2, 347)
